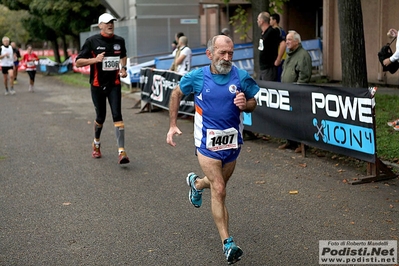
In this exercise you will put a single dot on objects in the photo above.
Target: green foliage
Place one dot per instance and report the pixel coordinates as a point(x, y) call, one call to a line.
point(41, 32)
point(63, 17)
point(16, 5)
point(240, 19)
point(277, 6)
point(240, 23)
point(58, 14)
point(11, 25)
point(56, 20)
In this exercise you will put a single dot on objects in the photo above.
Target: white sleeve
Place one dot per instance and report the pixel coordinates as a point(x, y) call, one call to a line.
point(395, 56)
point(185, 51)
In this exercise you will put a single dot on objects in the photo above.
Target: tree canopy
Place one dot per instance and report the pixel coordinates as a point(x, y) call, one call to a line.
point(11, 25)
point(57, 20)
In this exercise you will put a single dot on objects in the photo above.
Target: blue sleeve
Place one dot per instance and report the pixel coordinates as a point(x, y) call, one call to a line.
point(283, 35)
point(192, 82)
point(248, 84)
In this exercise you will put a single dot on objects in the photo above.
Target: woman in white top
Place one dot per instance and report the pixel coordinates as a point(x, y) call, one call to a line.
point(183, 61)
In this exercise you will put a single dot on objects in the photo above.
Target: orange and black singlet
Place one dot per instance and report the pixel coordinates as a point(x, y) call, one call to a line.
point(106, 73)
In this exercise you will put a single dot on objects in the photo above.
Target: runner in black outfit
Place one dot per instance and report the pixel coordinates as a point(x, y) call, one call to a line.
point(104, 52)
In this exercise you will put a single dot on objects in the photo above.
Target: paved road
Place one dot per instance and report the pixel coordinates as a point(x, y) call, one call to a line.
point(61, 207)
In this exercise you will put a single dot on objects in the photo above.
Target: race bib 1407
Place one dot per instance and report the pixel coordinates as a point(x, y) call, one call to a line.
point(221, 139)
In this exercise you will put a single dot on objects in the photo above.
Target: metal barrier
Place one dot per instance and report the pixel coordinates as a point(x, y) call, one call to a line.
point(243, 58)
point(315, 50)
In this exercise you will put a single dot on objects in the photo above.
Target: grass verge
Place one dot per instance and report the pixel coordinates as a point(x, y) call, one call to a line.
point(78, 80)
point(387, 109)
point(74, 79)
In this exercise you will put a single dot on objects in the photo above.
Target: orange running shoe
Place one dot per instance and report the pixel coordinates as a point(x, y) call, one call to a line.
point(123, 159)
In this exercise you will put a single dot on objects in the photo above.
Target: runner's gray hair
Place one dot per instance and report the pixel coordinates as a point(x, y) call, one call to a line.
point(211, 42)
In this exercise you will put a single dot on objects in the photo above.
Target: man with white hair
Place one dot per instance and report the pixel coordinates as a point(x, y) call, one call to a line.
point(222, 92)
point(298, 65)
point(297, 68)
point(7, 64)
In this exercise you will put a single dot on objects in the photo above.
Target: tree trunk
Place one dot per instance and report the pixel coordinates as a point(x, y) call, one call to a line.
point(56, 51)
point(258, 6)
point(353, 51)
point(65, 46)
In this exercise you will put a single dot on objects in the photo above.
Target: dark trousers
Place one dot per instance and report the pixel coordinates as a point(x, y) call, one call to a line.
point(99, 97)
point(269, 74)
point(32, 74)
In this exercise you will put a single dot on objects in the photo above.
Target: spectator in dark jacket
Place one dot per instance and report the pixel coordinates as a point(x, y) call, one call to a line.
point(297, 68)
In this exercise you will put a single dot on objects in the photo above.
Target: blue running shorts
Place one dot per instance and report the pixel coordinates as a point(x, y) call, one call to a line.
point(226, 156)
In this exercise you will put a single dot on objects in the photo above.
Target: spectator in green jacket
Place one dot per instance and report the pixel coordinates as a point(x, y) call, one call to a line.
point(297, 68)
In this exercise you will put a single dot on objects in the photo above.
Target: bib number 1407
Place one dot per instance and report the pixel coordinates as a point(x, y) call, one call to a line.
point(222, 139)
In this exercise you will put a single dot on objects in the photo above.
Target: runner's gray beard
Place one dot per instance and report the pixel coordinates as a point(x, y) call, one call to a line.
point(222, 68)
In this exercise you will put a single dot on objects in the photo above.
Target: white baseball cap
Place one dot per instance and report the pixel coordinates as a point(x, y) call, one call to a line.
point(106, 18)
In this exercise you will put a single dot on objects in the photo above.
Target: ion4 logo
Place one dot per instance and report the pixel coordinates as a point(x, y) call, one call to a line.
point(345, 135)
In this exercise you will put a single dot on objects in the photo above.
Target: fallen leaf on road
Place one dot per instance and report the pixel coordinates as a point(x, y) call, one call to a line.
point(302, 165)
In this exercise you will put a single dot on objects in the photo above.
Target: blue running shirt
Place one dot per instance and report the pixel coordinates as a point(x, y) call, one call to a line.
point(218, 122)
